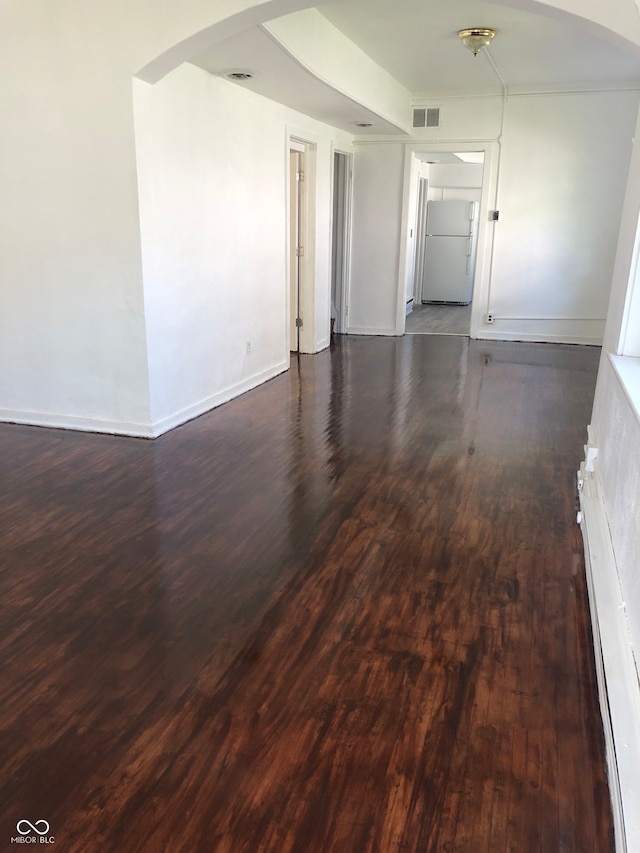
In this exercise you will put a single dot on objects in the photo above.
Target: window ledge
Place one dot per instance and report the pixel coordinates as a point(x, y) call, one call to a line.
point(627, 369)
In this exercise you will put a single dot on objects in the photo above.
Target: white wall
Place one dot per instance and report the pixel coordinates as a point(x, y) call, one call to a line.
point(616, 434)
point(455, 176)
point(560, 199)
point(610, 500)
point(622, 333)
point(73, 348)
point(461, 119)
point(212, 178)
point(72, 330)
point(378, 176)
point(563, 175)
point(611, 525)
point(616, 417)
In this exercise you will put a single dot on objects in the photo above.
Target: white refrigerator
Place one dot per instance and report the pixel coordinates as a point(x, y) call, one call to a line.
point(449, 252)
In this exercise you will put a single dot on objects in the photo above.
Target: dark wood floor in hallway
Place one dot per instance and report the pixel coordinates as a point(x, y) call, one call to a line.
point(345, 612)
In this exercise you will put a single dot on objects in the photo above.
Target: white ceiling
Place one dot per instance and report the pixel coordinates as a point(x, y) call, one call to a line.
point(416, 42)
point(281, 78)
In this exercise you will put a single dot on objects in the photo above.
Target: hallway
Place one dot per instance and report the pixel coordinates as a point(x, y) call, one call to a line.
point(344, 612)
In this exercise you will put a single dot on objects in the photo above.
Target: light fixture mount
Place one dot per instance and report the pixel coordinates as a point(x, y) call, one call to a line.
point(239, 75)
point(475, 38)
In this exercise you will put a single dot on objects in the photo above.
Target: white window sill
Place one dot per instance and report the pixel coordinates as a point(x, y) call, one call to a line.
point(627, 369)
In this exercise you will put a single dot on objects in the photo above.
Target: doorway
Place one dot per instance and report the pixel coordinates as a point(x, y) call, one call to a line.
point(340, 241)
point(448, 200)
point(301, 228)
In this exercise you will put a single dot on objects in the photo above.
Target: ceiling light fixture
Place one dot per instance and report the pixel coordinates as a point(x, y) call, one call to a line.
point(475, 38)
point(239, 75)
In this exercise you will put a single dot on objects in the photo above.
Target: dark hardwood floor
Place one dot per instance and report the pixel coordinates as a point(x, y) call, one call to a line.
point(345, 612)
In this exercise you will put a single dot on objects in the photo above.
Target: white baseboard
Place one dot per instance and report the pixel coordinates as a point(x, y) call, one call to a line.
point(618, 684)
point(320, 345)
point(158, 428)
point(72, 422)
point(196, 409)
point(552, 331)
point(364, 330)
point(486, 334)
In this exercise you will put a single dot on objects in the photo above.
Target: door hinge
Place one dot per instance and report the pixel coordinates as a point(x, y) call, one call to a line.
point(299, 251)
point(300, 176)
point(298, 322)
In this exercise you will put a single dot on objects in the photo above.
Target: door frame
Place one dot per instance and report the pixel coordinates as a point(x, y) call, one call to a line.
point(295, 231)
point(346, 207)
point(306, 266)
point(420, 238)
point(486, 226)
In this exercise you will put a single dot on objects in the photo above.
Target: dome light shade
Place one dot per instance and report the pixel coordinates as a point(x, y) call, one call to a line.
point(475, 38)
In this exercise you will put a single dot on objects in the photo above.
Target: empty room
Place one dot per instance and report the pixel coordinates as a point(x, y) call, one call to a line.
point(319, 520)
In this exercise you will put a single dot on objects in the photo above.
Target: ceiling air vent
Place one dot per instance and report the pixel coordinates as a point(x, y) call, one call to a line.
point(419, 118)
point(433, 117)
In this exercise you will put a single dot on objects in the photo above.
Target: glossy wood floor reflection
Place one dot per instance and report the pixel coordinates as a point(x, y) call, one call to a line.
point(345, 612)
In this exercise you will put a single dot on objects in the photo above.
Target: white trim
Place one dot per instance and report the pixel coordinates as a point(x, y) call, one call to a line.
point(618, 685)
point(484, 334)
point(410, 178)
point(299, 139)
point(627, 369)
point(421, 99)
point(345, 289)
point(215, 400)
point(69, 422)
point(422, 144)
point(370, 330)
point(525, 319)
point(422, 199)
point(627, 344)
point(53, 420)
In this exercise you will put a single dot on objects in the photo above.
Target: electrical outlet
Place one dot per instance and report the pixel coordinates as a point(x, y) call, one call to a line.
point(491, 318)
point(248, 347)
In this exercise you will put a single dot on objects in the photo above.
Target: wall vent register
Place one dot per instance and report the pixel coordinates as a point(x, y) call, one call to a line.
point(433, 117)
point(423, 117)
